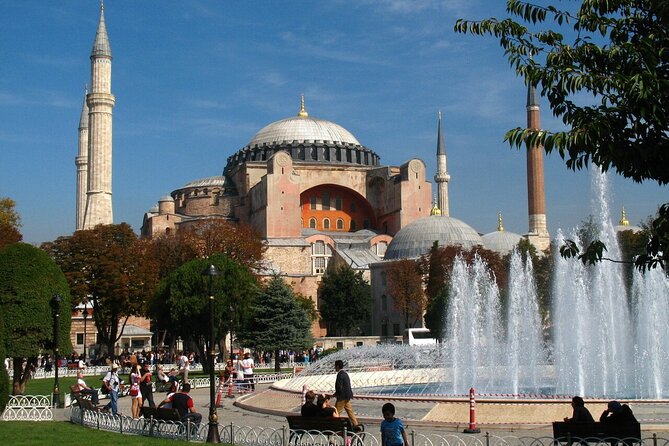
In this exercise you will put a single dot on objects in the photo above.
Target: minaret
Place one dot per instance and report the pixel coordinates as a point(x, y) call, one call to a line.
point(536, 199)
point(81, 161)
point(100, 104)
point(442, 177)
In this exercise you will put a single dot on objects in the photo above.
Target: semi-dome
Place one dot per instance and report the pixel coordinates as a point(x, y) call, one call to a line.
point(417, 237)
point(501, 242)
point(216, 181)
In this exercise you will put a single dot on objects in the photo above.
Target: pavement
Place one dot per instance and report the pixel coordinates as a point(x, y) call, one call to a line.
point(267, 408)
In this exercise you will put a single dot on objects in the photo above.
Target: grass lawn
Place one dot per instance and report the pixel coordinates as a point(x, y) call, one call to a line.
point(29, 433)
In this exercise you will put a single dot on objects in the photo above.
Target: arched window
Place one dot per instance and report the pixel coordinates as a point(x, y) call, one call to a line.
point(340, 224)
point(312, 223)
point(320, 255)
point(326, 201)
point(381, 248)
point(338, 203)
point(326, 223)
point(312, 202)
point(353, 226)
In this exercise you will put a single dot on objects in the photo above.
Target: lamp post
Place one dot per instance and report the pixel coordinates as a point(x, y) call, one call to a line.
point(232, 320)
point(55, 301)
point(212, 434)
point(85, 317)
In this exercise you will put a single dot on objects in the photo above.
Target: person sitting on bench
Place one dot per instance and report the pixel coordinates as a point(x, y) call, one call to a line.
point(182, 402)
point(309, 409)
point(580, 413)
point(619, 414)
point(83, 389)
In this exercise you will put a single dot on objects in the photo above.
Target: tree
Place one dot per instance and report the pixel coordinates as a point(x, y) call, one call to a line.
point(10, 222)
point(4, 376)
point(345, 300)
point(277, 321)
point(615, 52)
point(28, 282)
point(238, 241)
point(112, 269)
point(185, 293)
point(405, 285)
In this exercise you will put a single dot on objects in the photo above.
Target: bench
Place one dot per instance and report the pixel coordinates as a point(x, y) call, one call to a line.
point(85, 403)
point(300, 426)
point(160, 413)
point(569, 433)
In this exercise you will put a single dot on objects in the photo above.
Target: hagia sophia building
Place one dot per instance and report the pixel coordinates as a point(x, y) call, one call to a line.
point(316, 195)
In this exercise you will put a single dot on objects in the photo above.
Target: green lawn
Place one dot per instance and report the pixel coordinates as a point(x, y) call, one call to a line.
point(29, 433)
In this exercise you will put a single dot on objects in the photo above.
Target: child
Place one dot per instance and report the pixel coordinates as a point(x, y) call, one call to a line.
point(392, 429)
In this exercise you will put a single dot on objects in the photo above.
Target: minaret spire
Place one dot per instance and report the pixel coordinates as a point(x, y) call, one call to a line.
point(81, 161)
point(536, 197)
point(100, 103)
point(442, 177)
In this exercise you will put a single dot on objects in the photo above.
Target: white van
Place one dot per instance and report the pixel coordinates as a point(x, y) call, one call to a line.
point(418, 336)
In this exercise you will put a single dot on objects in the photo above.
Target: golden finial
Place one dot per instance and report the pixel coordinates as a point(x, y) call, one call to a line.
point(435, 209)
point(303, 112)
point(500, 226)
point(623, 218)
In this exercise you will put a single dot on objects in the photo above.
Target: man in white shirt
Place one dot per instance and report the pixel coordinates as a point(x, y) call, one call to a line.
point(247, 367)
point(85, 390)
point(184, 365)
point(112, 382)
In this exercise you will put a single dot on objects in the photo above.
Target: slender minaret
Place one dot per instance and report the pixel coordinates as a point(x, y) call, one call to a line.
point(442, 177)
point(81, 161)
point(100, 105)
point(536, 199)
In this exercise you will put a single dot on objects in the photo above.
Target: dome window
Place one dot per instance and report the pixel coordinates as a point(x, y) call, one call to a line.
point(312, 223)
point(340, 224)
point(326, 223)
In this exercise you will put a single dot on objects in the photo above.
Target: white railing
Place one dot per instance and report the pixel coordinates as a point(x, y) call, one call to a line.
point(264, 436)
point(28, 408)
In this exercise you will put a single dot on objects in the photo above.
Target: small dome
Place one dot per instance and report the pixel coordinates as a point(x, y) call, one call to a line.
point(501, 242)
point(165, 198)
point(417, 237)
point(206, 182)
point(299, 128)
point(154, 209)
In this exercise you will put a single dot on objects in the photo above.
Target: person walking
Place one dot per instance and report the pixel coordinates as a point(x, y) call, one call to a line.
point(111, 383)
point(393, 431)
point(145, 385)
point(344, 394)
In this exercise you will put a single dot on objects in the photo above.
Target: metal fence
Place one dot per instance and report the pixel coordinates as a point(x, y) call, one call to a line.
point(28, 408)
point(264, 436)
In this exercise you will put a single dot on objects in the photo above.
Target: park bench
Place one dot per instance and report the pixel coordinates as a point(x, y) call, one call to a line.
point(84, 401)
point(300, 426)
point(566, 432)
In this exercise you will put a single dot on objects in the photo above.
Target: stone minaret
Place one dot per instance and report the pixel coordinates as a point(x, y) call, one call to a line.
point(442, 177)
point(81, 161)
point(536, 198)
point(100, 105)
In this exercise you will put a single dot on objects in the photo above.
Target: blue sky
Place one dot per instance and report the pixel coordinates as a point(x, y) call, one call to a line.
point(194, 80)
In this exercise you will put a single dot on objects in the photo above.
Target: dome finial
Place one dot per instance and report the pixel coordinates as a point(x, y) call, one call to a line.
point(623, 218)
point(500, 226)
point(435, 209)
point(303, 112)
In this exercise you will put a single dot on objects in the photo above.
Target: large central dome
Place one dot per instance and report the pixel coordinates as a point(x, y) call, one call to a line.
point(307, 140)
point(299, 128)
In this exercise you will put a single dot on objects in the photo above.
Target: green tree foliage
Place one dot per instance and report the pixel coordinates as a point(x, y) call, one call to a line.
point(28, 282)
point(345, 300)
point(277, 321)
point(613, 51)
point(112, 269)
point(405, 286)
point(435, 313)
point(185, 292)
point(4, 376)
point(10, 222)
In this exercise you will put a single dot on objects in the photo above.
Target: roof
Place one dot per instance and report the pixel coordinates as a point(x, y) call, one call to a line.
point(300, 128)
point(134, 330)
point(206, 182)
point(101, 47)
point(416, 239)
point(501, 242)
point(358, 258)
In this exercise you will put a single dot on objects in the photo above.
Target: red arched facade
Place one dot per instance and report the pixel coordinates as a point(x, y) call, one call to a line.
point(334, 208)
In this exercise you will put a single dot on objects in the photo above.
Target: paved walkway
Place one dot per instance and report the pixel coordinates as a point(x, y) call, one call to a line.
point(267, 408)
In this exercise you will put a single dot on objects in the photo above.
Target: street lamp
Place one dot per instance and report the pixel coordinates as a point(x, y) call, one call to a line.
point(212, 434)
point(232, 319)
point(85, 317)
point(55, 302)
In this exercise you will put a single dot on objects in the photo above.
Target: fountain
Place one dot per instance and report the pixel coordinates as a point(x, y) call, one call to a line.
point(604, 341)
